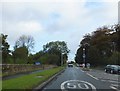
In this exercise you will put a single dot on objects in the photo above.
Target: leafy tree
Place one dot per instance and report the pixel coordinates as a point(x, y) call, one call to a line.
point(57, 45)
point(30, 58)
point(86, 39)
point(94, 56)
point(79, 56)
point(58, 48)
point(49, 59)
point(21, 53)
point(114, 59)
point(116, 36)
point(5, 47)
point(101, 44)
point(37, 56)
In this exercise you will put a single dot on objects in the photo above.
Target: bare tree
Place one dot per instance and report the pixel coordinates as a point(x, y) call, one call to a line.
point(25, 41)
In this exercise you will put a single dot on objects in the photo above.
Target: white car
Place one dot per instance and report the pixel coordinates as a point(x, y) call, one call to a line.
point(70, 65)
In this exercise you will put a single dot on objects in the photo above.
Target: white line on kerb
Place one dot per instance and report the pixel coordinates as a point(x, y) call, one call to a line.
point(92, 76)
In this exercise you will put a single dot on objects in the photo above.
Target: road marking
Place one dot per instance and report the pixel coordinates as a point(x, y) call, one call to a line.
point(76, 67)
point(110, 81)
point(114, 81)
point(105, 73)
point(73, 84)
point(104, 80)
point(114, 88)
point(85, 86)
point(116, 85)
point(82, 71)
point(92, 76)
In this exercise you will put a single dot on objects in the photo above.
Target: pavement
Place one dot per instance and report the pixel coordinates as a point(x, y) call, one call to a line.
point(74, 78)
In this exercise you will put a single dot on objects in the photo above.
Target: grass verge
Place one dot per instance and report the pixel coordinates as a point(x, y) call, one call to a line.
point(29, 81)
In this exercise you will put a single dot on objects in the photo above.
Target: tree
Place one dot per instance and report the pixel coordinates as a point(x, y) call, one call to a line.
point(86, 39)
point(115, 58)
point(57, 45)
point(116, 36)
point(58, 48)
point(21, 54)
point(79, 56)
point(25, 41)
point(5, 47)
point(37, 56)
point(49, 59)
point(102, 44)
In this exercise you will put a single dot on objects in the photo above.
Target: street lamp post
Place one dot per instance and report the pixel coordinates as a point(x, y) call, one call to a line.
point(84, 52)
point(84, 55)
point(62, 58)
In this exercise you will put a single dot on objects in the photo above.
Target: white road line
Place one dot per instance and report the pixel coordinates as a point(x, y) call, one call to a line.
point(105, 73)
point(76, 67)
point(114, 81)
point(82, 70)
point(114, 88)
point(104, 80)
point(92, 76)
point(116, 85)
point(110, 81)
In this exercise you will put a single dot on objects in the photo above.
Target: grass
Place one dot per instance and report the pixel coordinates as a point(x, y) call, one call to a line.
point(29, 81)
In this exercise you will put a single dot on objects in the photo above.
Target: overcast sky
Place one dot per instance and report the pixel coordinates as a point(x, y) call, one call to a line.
point(52, 20)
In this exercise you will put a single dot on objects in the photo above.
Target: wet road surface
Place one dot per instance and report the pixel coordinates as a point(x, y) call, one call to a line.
point(73, 78)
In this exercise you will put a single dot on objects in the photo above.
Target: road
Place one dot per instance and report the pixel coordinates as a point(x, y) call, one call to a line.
point(75, 78)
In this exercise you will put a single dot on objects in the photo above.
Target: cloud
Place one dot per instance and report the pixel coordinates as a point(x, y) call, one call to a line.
point(29, 26)
point(16, 29)
point(48, 20)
